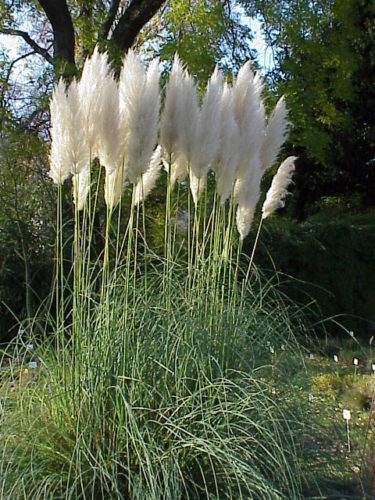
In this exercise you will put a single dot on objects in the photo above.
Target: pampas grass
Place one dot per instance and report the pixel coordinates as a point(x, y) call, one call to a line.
point(139, 93)
point(247, 193)
point(114, 186)
point(111, 140)
point(249, 114)
point(275, 134)
point(275, 197)
point(207, 127)
point(227, 157)
point(153, 377)
point(228, 133)
point(81, 186)
point(95, 72)
point(69, 149)
point(182, 418)
point(188, 118)
point(170, 118)
point(148, 180)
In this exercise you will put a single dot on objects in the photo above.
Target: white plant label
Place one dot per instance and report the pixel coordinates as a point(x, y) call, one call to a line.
point(373, 367)
point(273, 390)
point(272, 350)
point(355, 361)
point(346, 414)
point(283, 347)
point(311, 397)
point(351, 334)
point(311, 355)
point(21, 330)
point(33, 364)
point(29, 346)
point(335, 358)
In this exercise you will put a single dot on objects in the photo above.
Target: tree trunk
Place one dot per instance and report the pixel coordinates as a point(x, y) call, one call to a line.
point(136, 15)
point(134, 18)
point(63, 36)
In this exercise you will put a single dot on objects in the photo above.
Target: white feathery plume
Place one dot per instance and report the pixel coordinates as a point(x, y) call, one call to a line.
point(189, 128)
point(60, 168)
point(69, 150)
point(188, 118)
point(110, 143)
point(78, 149)
point(114, 187)
point(247, 193)
point(197, 186)
point(179, 167)
point(81, 186)
point(95, 70)
point(170, 122)
point(261, 112)
point(240, 88)
point(278, 191)
point(179, 122)
point(183, 108)
point(258, 84)
point(249, 114)
point(250, 117)
point(140, 103)
point(170, 118)
point(244, 219)
point(207, 128)
point(275, 134)
point(149, 178)
point(226, 161)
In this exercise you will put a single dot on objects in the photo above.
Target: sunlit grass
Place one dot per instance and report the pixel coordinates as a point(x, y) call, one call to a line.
point(163, 409)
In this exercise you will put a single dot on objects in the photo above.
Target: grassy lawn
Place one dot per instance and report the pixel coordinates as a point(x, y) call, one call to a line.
point(312, 392)
point(321, 391)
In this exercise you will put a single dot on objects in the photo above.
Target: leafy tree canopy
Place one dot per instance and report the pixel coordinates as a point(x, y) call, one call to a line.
point(324, 61)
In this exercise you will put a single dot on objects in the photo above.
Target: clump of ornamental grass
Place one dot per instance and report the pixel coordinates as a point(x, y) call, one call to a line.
point(155, 380)
point(163, 409)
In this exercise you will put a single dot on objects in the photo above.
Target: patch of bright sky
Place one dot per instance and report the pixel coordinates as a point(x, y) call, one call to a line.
point(12, 45)
point(264, 53)
point(15, 46)
point(25, 74)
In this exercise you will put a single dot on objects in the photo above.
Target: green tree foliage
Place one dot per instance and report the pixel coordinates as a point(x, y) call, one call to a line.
point(205, 33)
point(26, 226)
point(324, 55)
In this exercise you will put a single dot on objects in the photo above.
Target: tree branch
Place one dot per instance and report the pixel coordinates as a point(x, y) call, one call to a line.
point(6, 83)
point(39, 50)
point(107, 25)
point(59, 16)
point(138, 13)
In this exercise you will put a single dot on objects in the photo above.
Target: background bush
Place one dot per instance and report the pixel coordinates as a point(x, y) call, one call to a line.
point(332, 260)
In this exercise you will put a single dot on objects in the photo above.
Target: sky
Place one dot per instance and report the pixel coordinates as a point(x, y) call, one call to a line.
point(265, 58)
point(13, 43)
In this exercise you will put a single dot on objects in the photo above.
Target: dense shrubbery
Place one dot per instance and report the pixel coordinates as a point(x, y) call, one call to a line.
point(330, 259)
point(333, 260)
